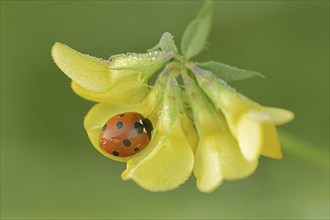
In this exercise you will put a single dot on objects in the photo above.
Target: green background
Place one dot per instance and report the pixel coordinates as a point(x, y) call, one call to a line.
point(50, 170)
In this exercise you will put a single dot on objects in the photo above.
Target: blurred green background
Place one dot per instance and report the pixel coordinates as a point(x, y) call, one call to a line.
point(50, 170)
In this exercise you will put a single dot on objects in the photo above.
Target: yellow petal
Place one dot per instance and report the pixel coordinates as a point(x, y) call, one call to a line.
point(218, 155)
point(207, 168)
point(249, 136)
point(189, 130)
point(276, 115)
point(167, 166)
point(271, 145)
point(99, 115)
point(89, 72)
point(233, 164)
point(126, 91)
point(233, 106)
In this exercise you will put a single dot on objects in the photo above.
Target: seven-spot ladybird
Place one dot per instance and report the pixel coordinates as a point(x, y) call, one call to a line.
point(125, 134)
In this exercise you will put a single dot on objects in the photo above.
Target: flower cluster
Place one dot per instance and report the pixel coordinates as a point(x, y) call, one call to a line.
point(201, 124)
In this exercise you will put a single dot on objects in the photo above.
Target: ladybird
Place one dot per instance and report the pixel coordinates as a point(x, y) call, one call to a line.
point(125, 134)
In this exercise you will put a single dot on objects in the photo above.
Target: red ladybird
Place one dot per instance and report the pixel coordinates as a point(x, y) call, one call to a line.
point(125, 134)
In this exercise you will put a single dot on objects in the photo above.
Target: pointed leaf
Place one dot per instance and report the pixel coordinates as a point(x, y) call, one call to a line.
point(228, 73)
point(196, 33)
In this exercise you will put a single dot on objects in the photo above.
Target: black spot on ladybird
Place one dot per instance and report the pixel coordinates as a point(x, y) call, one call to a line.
point(119, 124)
point(115, 153)
point(104, 127)
point(136, 149)
point(127, 143)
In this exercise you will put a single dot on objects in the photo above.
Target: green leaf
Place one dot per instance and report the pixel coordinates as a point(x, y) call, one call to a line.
point(228, 73)
point(196, 33)
point(166, 44)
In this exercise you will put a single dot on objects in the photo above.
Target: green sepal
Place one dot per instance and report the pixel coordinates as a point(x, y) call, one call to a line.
point(139, 61)
point(147, 63)
point(166, 44)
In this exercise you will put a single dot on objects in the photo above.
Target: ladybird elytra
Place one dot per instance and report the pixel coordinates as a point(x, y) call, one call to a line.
point(125, 134)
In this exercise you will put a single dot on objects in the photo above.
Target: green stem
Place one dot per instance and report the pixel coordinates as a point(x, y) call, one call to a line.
point(304, 150)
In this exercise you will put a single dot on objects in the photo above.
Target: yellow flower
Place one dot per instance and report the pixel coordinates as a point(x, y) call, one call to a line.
point(120, 80)
point(251, 124)
point(218, 140)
